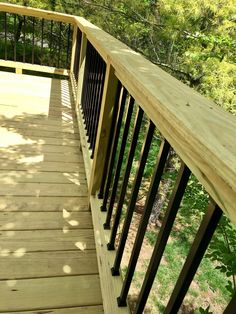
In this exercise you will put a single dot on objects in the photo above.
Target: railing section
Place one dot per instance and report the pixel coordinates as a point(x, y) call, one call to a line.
point(116, 174)
point(34, 40)
point(126, 109)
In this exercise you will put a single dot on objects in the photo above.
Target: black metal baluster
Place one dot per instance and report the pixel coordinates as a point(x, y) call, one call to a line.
point(5, 33)
point(33, 38)
point(136, 130)
point(93, 99)
point(230, 309)
point(111, 136)
point(167, 224)
point(42, 35)
point(196, 253)
point(24, 26)
point(77, 54)
point(84, 90)
point(59, 46)
point(68, 47)
point(108, 179)
point(133, 199)
point(51, 63)
point(98, 107)
point(89, 94)
point(14, 37)
point(85, 86)
point(156, 178)
point(89, 61)
point(106, 225)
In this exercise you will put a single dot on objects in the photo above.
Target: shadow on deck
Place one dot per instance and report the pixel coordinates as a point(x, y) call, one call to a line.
point(47, 250)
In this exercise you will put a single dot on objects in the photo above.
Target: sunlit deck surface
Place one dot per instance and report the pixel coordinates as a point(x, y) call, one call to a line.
point(47, 250)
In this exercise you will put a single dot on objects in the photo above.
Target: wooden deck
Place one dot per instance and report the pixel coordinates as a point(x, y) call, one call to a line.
point(48, 260)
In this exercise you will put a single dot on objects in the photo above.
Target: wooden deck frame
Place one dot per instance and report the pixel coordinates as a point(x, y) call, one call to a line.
point(206, 150)
point(201, 144)
point(48, 258)
point(44, 14)
point(19, 66)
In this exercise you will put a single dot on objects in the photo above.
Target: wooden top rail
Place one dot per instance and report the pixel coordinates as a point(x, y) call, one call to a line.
point(203, 134)
point(48, 15)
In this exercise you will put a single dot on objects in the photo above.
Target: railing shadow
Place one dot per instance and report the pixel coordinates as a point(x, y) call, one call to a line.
point(45, 142)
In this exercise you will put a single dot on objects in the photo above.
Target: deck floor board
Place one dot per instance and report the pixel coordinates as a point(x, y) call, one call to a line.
point(47, 250)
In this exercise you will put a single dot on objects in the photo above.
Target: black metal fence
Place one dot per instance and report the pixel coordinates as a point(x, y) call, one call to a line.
point(121, 183)
point(93, 84)
point(34, 40)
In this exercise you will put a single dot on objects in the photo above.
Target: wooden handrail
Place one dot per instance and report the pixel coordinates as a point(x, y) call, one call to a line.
point(45, 14)
point(202, 133)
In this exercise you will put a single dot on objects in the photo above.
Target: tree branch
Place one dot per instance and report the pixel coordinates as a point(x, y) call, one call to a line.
point(135, 16)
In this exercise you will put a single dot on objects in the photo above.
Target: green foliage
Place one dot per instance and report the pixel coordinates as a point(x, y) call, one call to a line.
point(223, 251)
point(205, 311)
point(194, 40)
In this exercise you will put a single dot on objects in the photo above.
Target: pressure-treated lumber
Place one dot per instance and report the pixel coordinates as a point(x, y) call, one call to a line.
point(202, 134)
point(66, 239)
point(45, 14)
point(57, 263)
point(73, 50)
point(47, 249)
point(45, 203)
point(104, 128)
point(47, 293)
point(98, 309)
point(110, 285)
point(41, 220)
point(19, 66)
point(82, 62)
point(14, 177)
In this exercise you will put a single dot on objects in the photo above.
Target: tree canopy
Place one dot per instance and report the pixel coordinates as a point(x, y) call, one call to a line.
point(194, 40)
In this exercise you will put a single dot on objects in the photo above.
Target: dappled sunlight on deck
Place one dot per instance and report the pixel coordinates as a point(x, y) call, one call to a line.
point(47, 245)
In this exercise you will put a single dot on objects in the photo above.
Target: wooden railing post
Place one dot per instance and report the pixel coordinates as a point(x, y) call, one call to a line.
point(81, 69)
point(104, 126)
point(74, 40)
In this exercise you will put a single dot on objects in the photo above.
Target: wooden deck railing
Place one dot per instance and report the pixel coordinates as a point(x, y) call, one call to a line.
point(110, 82)
point(35, 40)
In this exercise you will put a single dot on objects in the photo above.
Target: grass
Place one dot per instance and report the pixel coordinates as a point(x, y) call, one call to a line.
point(209, 283)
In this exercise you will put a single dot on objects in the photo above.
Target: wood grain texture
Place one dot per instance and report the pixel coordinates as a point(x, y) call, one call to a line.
point(47, 166)
point(73, 49)
point(202, 133)
point(19, 66)
point(110, 285)
point(49, 15)
point(96, 309)
point(103, 131)
point(46, 293)
point(41, 124)
point(47, 250)
point(45, 203)
point(15, 177)
point(41, 220)
point(42, 189)
point(55, 264)
point(66, 239)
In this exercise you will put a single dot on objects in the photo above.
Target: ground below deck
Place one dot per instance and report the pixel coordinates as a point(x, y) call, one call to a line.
point(47, 250)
